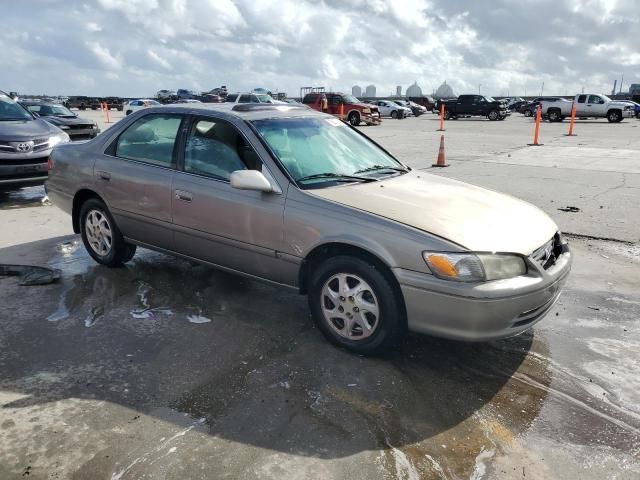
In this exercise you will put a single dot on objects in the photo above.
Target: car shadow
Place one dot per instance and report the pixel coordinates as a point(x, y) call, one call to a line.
point(246, 357)
point(21, 197)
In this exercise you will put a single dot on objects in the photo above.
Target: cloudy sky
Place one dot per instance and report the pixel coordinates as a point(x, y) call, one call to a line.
point(136, 47)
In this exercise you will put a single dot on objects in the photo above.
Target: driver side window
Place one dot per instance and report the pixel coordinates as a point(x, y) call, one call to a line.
point(215, 148)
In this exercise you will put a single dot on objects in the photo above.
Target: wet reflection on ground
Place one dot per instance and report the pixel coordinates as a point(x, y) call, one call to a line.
point(23, 197)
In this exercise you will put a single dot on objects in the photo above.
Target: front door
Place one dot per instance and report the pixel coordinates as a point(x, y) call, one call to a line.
point(237, 229)
point(597, 105)
point(134, 178)
point(581, 106)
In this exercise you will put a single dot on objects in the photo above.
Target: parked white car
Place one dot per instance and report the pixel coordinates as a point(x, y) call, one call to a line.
point(391, 109)
point(165, 94)
point(588, 105)
point(135, 105)
point(251, 97)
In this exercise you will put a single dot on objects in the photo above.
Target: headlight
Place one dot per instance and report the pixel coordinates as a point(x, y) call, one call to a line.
point(61, 137)
point(63, 127)
point(474, 267)
point(366, 110)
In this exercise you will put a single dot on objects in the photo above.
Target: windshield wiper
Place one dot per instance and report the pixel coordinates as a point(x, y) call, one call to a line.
point(374, 168)
point(337, 176)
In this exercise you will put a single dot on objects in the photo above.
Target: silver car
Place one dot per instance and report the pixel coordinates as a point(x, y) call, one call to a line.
point(296, 197)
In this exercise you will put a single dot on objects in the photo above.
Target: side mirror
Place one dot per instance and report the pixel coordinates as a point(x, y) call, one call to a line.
point(250, 180)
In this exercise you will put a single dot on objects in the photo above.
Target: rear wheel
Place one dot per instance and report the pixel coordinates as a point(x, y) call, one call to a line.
point(355, 306)
point(554, 115)
point(446, 115)
point(101, 236)
point(354, 119)
point(614, 116)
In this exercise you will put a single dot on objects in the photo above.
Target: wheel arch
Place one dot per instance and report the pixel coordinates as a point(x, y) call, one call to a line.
point(335, 248)
point(79, 198)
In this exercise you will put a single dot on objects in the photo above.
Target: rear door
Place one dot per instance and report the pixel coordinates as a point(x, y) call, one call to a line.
point(581, 106)
point(236, 229)
point(464, 105)
point(134, 177)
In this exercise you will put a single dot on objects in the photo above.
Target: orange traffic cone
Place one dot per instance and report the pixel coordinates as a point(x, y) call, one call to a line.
point(442, 162)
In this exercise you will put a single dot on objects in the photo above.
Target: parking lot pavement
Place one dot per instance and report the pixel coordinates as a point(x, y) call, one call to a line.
point(164, 369)
point(167, 370)
point(597, 171)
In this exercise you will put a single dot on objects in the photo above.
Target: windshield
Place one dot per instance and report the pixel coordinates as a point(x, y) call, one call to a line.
point(350, 99)
point(318, 146)
point(489, 99)
point(264, 98)
point(51, 110)
point(606, 99)
point(10, 110)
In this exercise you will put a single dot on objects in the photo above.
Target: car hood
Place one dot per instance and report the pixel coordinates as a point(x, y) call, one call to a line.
point(26, 130)
point(620, 104)
point(67, 120)
point(473, 217)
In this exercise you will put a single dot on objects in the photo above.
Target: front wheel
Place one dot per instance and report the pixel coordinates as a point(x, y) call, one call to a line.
point(394, 114)
point(614, 116)
point(493, 115)
point(446, 115)
point(355, 306)
point(354, 119)
point(101, 236)
point(528, 113)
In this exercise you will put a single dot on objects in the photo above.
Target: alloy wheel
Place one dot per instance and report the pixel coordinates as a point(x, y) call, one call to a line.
point(98, 232)
point(350, 306)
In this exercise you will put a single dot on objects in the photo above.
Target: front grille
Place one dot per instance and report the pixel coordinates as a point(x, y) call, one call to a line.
point(39, 144)
point(80, 127)
point(548, 253)
point(23, 161)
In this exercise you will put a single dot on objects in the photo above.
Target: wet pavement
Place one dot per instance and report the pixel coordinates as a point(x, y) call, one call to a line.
point(164, 369)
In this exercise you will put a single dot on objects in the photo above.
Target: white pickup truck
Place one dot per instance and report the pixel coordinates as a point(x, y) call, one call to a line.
point(587, 106)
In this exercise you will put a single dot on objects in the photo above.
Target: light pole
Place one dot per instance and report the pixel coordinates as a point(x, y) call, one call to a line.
point(479, 85)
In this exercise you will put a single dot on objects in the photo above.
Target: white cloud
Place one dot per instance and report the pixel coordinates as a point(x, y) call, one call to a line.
point(158, 59)
point(104, 55)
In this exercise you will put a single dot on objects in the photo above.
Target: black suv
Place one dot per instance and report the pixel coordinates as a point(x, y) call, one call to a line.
point(475, 105)
point(77, 128)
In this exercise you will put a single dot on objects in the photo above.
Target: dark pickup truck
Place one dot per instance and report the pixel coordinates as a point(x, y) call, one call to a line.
point(475, 105)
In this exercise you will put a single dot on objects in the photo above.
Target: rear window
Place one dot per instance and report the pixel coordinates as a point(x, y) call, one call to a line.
point(310, 98)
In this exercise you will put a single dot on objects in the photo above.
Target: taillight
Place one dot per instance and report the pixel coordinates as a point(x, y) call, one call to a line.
point(50, 163)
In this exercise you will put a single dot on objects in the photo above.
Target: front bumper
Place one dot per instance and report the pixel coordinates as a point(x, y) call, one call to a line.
point(628, 113)
point(371, 118)
point(23, 169)
point(481, 312)
point(82, 133)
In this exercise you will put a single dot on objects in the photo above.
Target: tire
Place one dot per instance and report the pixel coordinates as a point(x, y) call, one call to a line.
point(82, 106)
point(528, 113)
point(493, 115)
point(387, 328)
point(119, 109)
point(447, 115)
point(128, 112)
point(394, 114)
point(104, 242)
point(354, 119)
point(614, 116)
point(554, 115)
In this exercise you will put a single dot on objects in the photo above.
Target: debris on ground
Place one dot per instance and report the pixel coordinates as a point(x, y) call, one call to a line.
point(569, 209)
point(31, 274)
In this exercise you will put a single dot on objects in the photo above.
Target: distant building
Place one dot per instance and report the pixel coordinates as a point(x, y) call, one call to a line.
point(445, 91)
point(370, 91)
point(634, 89)
point(356, 91)
point(414, 90)
point(399, 91)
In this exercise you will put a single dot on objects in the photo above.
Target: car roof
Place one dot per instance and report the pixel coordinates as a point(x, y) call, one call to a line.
point(244, 111)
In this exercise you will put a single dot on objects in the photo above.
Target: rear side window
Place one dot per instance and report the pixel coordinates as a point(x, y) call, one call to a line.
point(232, 97)
point(582, 98)
point(151, 139)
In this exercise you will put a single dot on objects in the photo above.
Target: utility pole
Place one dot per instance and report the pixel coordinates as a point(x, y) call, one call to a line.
point(622, 80)
point(542, 89)
point(479, 85)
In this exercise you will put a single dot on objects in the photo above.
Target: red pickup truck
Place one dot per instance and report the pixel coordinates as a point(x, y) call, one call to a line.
point(353, 109)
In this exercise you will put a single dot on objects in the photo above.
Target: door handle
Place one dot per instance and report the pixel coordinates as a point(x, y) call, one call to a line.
point(184, 196)
point(104, 175)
